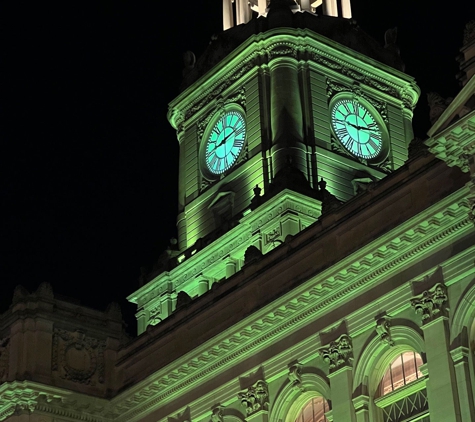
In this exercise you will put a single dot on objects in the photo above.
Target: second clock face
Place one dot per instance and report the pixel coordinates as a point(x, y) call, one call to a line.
point(356, 128)
point(225, 142)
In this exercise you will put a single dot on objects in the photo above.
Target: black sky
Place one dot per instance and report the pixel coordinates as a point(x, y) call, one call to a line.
point(88, 158)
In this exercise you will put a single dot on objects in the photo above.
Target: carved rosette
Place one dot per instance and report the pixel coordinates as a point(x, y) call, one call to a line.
point(78, 358)
point(383, 329)
point(255, 398)
point(432, 303)
point(295, 376)
point(338, 353)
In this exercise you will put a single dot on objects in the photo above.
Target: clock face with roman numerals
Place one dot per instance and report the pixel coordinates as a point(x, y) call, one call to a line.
point(357, 129)
point(225, 142)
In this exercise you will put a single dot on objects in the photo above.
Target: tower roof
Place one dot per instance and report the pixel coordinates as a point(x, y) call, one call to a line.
point(343, 31)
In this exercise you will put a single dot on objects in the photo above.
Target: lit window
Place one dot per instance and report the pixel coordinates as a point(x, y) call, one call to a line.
point(314, 411)
point(403, 370)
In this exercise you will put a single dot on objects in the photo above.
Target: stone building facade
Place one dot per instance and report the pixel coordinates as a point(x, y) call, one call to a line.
point(325, 262)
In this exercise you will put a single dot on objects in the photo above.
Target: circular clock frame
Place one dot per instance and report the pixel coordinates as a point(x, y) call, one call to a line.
point(223, 141)
point(359, 128)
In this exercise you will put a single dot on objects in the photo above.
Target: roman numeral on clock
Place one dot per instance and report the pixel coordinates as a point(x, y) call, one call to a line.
point(341, 132)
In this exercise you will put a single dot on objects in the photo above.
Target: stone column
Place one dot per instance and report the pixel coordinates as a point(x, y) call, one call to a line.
point(460, 357)
point(330, 8)
point(228, 21)
point(339, 356)
point(441, 385)
point(305, 5)
point(243, 12)
point(203, 286)
point(262, 5)
point(346, 9)
point(361, 405)
point(286, 115)
point(230, 267)
point(256, 402)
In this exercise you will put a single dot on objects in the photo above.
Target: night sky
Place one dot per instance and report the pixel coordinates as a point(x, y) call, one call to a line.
point(89, 161)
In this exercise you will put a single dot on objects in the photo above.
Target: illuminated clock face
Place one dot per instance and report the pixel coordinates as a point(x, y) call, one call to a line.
point(225, 142)
point(356, 129)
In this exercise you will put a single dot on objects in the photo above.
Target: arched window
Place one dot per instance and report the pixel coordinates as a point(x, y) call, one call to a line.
point(314, 411)
point(402, 370)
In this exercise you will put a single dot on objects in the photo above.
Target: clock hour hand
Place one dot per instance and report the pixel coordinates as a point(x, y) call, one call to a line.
point(357, 127)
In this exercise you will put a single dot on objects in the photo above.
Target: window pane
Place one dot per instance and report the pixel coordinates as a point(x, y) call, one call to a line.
point(314, 411)
point(403, 370)
point(410, 370)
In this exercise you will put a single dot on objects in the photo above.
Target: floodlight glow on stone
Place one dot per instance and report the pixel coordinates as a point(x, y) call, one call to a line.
point(225, 142)
point(356, 128)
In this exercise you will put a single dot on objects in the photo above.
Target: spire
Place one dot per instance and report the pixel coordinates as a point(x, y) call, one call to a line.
point(244, 9)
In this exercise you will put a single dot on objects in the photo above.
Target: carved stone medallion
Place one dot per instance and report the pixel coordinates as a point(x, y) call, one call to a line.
point(78, 358)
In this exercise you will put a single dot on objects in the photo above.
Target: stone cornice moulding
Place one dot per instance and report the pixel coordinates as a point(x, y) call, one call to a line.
point(234, 242)
point(32, 396)
point(258, 50)
point(454, 143)
point(435, 226)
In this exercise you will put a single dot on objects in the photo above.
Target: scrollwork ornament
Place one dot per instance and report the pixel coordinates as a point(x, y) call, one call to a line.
point(295, 376)
point(154, 317)
point(338, 353)
point(255, 398)
point(334, 87)
point(217, 414)
point(383, 325)
point(432, 303)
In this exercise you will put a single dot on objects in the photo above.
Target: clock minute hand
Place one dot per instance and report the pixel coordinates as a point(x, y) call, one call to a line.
point(224, 140)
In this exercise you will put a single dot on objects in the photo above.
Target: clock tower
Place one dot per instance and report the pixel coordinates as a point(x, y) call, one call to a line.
point(290, 112)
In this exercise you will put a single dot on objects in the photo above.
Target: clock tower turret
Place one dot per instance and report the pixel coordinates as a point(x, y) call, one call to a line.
point(285, 112)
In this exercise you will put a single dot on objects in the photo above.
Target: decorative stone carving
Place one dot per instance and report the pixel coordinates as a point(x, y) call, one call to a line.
point(437, 105)
point(154, 315)
point(78, 358)
point(255, 398)
point(383, 325)
point(338, 353)
point(295, 376)
point(217, 414)
point(431, 303)
point(185, 416)
point(469, 32)
point(4, 358)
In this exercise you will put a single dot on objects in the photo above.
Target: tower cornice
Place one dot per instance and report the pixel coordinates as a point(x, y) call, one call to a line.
point(303, 45)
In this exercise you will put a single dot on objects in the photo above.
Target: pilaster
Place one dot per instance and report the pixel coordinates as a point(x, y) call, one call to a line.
point(460, 357)
point(339, 356)
point(361, 405)
point(441, 386)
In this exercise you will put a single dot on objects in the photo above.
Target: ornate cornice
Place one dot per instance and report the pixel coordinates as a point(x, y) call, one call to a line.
point(26, 396)
point(373, 263)
point(298, 44)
